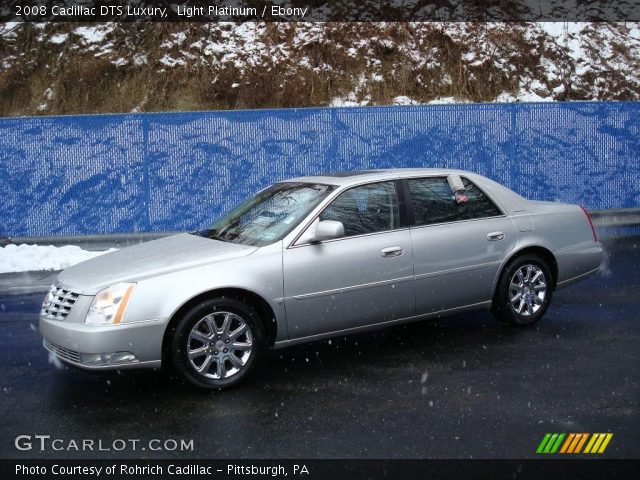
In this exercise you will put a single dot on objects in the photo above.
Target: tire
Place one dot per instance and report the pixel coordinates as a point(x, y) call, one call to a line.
point(524, 291)
point(205, 349)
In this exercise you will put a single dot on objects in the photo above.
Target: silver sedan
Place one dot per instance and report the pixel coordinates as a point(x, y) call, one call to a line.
point(315, 257)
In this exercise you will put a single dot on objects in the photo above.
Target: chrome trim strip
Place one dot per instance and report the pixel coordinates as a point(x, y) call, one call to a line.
point(119, 366)
point(401, 229)
point(580, 247)
point(352, 288)
point(375, 326)
point(62, 352)
point(457, 221)
point(577, 278)
point(457, 270)
point(121, 325)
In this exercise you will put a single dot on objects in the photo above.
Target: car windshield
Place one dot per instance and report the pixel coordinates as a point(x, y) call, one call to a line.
point(268, 216)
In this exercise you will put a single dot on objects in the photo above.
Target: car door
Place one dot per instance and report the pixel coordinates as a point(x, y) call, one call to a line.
point(363, 278)
point(458, 246)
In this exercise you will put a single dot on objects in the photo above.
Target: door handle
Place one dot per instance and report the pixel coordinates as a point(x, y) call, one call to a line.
point(391, 251)
point(493, 236)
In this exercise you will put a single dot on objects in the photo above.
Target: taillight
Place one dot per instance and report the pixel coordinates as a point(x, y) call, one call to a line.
point(593, 230)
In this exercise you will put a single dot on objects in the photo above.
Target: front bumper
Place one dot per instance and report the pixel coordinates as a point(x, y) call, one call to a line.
point(80, 345)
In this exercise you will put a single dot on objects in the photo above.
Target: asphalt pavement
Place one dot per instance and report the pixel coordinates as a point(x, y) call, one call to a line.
point(457, 387)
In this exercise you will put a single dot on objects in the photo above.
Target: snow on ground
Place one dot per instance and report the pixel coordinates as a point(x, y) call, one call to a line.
point(94, 33)
point(24, 258)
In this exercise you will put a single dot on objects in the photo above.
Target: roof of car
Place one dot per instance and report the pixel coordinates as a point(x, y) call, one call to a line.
point(359, 176)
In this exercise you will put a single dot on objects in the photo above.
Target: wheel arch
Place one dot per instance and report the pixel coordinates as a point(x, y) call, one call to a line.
point(538, 250)
point(267, 315)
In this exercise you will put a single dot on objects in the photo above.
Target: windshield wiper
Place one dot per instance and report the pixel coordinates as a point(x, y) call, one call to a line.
point(209, 234)
point(213, 235)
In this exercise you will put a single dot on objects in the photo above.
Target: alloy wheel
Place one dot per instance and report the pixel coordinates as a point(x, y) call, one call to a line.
point(527, 290)
point(219, 345)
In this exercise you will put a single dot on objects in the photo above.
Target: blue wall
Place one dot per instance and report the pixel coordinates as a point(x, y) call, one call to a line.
point(176, 171)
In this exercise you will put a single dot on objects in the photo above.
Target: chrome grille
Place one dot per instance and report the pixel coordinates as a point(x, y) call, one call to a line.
point(58, 303)
point(62, 352)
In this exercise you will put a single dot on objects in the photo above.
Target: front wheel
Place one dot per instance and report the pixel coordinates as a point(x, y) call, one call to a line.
point(216, 344)
point(524, 291)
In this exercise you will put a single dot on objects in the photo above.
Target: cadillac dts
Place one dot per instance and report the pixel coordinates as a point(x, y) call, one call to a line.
point(315, 257)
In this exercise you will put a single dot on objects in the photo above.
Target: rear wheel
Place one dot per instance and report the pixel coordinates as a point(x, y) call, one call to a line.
point(524, 291)
point(217, 343)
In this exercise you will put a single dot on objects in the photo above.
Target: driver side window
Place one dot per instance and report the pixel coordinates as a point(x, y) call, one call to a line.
point(366, 209)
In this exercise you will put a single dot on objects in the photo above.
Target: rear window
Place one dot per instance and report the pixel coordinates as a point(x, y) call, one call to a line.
point(479, 204)
point(434, 202)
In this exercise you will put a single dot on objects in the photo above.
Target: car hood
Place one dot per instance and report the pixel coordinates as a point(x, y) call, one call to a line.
point(156, 257)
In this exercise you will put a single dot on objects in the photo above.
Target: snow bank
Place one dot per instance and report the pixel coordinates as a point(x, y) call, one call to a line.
point(364, 63)
point(24, 258)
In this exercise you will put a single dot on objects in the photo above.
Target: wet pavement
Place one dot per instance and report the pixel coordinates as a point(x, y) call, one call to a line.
point(456, 387)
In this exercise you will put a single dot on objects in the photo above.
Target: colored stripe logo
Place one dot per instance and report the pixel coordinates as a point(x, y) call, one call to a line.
point(574, 443)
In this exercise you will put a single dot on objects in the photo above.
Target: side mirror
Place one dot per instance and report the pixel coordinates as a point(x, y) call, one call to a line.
point(327, 230)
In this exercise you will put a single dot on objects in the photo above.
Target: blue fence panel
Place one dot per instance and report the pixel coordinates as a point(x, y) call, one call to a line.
point(439, 136)
point(71, 175)
point(588, 154)
point(175, 171)
point(202, 164)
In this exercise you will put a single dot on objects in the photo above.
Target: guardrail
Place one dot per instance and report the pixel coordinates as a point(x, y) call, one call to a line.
point(623, 217)
point(93, 242)
point(602, 220)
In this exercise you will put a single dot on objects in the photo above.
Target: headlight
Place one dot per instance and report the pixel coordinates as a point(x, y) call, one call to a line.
point(48, 297)
point(109, 305)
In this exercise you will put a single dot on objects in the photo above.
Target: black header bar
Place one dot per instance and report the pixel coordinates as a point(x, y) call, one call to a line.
point(319, 10)
point(534, 469)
